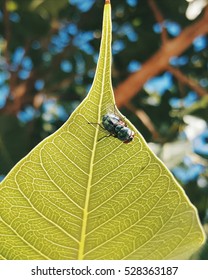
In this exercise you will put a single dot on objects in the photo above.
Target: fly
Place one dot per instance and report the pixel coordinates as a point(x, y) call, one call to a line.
point(116, 127)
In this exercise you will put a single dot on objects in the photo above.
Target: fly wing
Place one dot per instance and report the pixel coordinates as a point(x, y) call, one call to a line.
point(112, 109)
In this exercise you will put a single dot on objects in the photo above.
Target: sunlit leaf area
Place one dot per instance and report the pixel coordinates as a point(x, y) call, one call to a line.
point(48, 56)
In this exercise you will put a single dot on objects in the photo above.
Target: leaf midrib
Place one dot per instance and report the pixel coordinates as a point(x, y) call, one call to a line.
point(103, 49)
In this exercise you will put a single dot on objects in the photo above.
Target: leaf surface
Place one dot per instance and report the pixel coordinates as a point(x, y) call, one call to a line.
point(74, 197)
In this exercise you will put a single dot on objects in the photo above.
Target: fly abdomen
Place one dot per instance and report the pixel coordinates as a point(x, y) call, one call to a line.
point(123, 133)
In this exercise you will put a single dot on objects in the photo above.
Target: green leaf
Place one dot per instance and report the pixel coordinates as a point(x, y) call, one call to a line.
point(74, 197)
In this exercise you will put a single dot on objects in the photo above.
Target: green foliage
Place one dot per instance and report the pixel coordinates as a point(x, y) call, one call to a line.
point(48, 7)
point(74, 197)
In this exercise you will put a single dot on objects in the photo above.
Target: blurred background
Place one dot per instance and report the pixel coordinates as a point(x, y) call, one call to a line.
point(48, 55)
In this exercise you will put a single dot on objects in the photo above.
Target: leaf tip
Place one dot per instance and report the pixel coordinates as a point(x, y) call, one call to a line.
point(107, 1)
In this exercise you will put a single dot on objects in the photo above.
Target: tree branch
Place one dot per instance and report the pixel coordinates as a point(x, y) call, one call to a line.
point(159, 18)
point(176, 72)
point(160, 60)
point(189, 82)
point(144, 119)
point(22, 96)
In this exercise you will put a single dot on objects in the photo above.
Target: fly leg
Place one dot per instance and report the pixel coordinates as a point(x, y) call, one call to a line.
point(102, 129)
point(105, 137)
point(97, 124)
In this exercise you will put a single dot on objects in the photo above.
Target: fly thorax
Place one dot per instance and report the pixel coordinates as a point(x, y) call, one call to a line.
point(109, 122)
